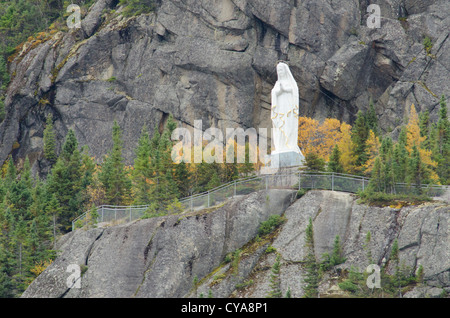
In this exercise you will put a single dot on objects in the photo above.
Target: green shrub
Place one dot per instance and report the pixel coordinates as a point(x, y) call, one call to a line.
point(348, 285)
point(136, 7)
point(301, 193)
point(427, 44)
point(270, 225)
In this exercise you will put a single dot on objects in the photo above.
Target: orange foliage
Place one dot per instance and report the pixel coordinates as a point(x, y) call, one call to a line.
point(413, 138)
point(318, 138)
point(373, 146)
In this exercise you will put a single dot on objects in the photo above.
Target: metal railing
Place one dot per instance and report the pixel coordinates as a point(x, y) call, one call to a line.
point(296, 180)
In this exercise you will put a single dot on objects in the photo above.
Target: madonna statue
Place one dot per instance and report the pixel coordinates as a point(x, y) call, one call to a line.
point(284, 112)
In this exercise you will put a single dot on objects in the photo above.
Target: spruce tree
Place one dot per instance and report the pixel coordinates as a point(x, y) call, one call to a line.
point(359, 135)
point(424, 126)
point(183, 179)
point(275, 291)
point(416, 171)
point(312, 276)
point(65, 181)
point(334, 164)
point(142, 172)
point(400, 158)
point(376, 183)
point(371, 118)
point(442, 147)
point(113, 175)
point(50, 141)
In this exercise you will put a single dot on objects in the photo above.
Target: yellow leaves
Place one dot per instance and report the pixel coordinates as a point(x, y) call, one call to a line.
point(318, 138)
point(40, 267)
point(413, 138)
point(413, 130)
point(373, 145)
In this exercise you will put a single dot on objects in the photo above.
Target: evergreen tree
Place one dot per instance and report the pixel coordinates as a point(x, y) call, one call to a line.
point(400, 158)
point(441, 149)
point(2, 110)
point(275, 291)
point(312, 277)
point(214, 181)
point(183, 179)
point(334, 164)
point(142, 172)
point(424, 125)
point(230, 169)
point(376, 179)
point(4, 75)
point(11, 174)
point(313, 162)
point(415, 139)
point(113, 175)
point(371, 118)
point(65, 181)
point(359, 135)
point(50, 141)
point(247, 167)
point(416, 171)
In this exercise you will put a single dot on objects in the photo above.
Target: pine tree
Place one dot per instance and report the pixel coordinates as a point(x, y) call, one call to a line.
point(275, 291)
point(142, 172)
point(50, 141)
point(416, 170)
point(214, 181)
point(359, 135)
point(424, 127)
point(415, 139)
point(441, 149)
point(376, 179)
point(65, 181)
point(373, 146)
point(346, 147)
point(183, 179)
point(400, 158)
point(247, 167)
point(2, 110)
point(334, 164)
point(371, 118)
point(312, 277)
point(113, 175)
point(313, 162)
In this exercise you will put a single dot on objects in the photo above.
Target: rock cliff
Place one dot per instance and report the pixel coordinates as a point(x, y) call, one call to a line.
point(185, 255)
point(215, 61)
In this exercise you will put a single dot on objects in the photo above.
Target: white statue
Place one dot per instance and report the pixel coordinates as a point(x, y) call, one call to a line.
point(284, 112)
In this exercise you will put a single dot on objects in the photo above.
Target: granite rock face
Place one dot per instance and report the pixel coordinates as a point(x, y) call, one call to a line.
point(160, 257)
point(215, 61)
point(156, 257)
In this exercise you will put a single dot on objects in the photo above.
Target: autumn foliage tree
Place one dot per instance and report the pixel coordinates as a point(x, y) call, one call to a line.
point(318, 138)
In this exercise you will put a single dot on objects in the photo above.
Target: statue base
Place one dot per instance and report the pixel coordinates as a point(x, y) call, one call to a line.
point(279, 160)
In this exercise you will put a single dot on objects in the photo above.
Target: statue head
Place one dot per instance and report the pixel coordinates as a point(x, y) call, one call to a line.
point(282, 71)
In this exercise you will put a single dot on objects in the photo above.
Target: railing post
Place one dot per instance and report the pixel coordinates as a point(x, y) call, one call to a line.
point(234, 187)
point(332, 181)
point(363, 183)
point(102, 213)
point(192, 206)
point(299, 180)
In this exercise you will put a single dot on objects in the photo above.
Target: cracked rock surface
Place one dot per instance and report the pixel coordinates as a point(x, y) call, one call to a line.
point(161, 257)
point(215, 61)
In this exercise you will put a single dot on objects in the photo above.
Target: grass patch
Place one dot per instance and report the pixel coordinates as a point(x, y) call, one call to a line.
point(380, 199)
